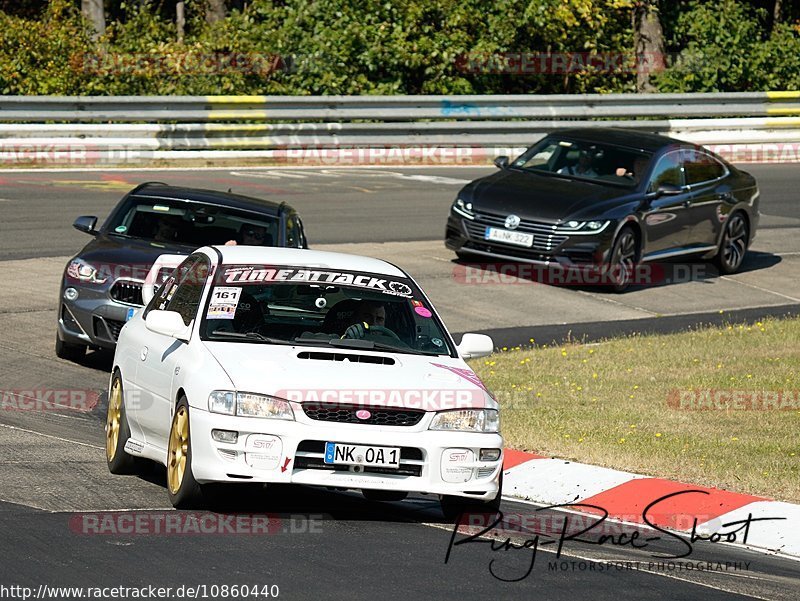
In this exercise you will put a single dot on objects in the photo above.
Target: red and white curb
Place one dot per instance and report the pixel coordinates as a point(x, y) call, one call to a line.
point(625, 497)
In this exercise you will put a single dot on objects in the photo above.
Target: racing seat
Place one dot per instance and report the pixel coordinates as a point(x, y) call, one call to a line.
point(340, 316)
point(249, 314)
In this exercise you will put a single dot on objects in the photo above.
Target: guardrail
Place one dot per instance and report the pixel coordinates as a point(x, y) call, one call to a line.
point(194, 126)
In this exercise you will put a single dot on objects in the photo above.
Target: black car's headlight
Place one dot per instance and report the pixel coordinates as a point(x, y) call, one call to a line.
point(463, 208)
point(83, 271)
point(582, 227)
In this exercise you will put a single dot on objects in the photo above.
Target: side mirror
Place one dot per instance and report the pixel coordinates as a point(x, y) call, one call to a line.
point(668, 190)
point(86, 224)
point(501, 162)
point(151, 282)
point(475, 345)
point(168, 323)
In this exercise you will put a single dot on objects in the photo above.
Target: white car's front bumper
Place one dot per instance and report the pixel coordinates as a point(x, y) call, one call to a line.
point(281, 451)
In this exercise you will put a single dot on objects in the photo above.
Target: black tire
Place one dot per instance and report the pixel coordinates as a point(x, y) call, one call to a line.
point(183, 490)
point(454, 507)
point(117, 431)
point(623, 260)
point(69, 351)
point(733, 245)
point(385, 496)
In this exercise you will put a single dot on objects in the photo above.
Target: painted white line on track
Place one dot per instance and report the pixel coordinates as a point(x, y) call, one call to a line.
point(753, 286)
point(83, 444)
point(435, 179)
point(595, 296)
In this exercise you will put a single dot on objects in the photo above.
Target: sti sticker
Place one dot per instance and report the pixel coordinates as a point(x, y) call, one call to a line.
point(223, 303)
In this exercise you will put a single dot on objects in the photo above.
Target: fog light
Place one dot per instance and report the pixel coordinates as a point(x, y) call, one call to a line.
point(70, 294)
point(228, 436)
point(490, 454)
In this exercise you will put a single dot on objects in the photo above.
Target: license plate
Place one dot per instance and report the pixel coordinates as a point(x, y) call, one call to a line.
point(509, 237)
point(131, 311)
point(350, 454)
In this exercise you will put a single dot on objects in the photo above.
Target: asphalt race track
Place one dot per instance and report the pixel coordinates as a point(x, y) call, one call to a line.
point(55, 488)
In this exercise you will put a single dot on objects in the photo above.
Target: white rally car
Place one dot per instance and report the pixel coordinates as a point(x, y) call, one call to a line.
point(273, 365)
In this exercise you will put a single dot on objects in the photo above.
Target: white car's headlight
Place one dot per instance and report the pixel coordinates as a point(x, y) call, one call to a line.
point(222, 401)
point(246, 404)
point(467, 420)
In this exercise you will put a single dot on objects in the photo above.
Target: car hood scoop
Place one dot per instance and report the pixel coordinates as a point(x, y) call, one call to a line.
point(351, 357)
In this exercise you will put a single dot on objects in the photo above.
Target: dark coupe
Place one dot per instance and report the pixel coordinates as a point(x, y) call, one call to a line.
point(607, 198)
point(102, 284)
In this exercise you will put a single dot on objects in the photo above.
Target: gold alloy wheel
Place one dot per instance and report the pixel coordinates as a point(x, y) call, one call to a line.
point(113, 419)
point(178, 448)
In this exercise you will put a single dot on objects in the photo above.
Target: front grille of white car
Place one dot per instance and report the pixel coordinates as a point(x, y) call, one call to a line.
point(348, 414)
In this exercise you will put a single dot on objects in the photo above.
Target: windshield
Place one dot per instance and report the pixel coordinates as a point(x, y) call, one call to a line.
point(321, 307)
point(601, 163)
point(191, 224)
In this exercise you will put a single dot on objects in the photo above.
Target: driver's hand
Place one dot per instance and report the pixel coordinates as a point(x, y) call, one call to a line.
point(357, 330)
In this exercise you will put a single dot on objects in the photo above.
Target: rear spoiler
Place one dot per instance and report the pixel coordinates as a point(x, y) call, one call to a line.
point(151, 282)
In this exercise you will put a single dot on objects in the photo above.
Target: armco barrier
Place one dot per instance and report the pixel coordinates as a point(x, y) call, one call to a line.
point(131, 129)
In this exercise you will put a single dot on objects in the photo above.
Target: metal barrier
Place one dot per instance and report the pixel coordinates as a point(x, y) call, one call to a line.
point(186, 126)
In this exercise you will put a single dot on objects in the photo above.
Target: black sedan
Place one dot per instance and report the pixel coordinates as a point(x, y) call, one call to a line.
point(102, 284)
point(608, 199)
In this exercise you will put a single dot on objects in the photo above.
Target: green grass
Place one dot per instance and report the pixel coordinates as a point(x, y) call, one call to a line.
point(607, 404)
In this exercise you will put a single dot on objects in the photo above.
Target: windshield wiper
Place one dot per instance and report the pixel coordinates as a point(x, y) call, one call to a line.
point(249, 336)
point(356, 343)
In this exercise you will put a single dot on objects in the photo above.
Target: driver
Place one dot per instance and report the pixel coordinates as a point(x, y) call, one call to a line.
point(369, 316)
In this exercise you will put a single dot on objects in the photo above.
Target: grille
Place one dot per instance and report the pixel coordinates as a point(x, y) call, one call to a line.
point(228, 454)
point(483, 472)
point(317, 463)
point(128, 292)
point(313, 463)
point(346, 414)
point(107, 328)
point(114, 327)
point(543, 241)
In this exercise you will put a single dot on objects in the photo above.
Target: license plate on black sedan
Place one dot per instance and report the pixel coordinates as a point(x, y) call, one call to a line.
point(337, 453)
point(509, 237)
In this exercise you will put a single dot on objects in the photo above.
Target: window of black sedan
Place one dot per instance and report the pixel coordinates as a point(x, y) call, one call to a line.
point(574, 159)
